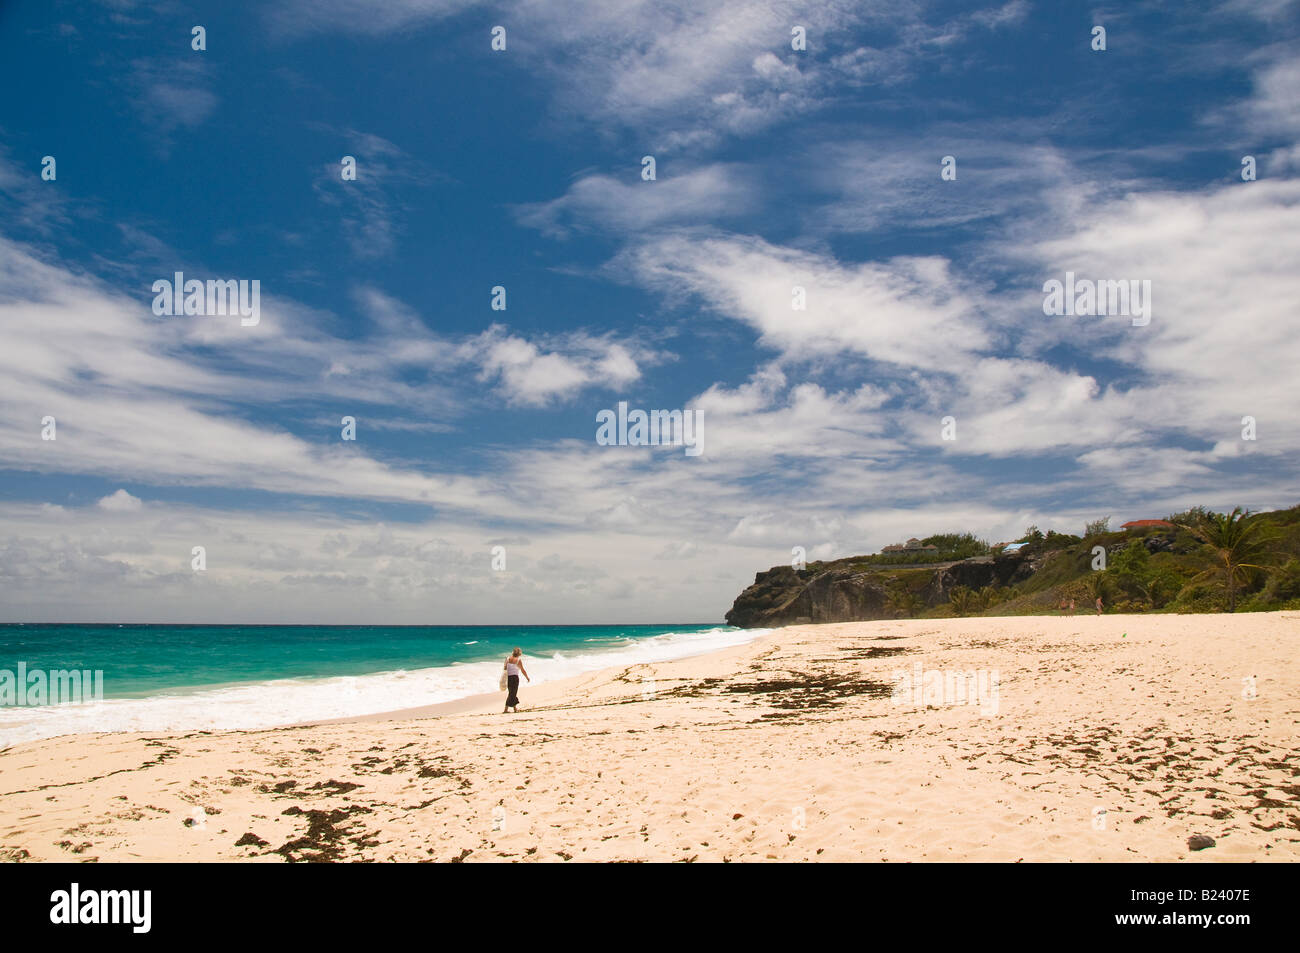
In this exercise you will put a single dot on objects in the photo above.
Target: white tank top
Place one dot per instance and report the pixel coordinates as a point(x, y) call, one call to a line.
point(511, 668)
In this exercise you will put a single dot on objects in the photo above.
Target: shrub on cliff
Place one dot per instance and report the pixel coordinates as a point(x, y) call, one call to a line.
point(1096, 527)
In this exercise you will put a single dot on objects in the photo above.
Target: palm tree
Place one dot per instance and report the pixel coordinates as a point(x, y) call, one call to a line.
point(962, 600)
point(1236, 542)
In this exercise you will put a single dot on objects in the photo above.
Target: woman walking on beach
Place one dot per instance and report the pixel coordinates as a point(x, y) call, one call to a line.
point(514, 665)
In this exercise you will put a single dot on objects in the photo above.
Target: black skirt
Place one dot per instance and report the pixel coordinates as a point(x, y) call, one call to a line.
point(512, 700)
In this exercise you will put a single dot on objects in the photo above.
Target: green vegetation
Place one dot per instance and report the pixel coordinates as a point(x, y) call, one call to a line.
point(1191, 517)
point(903, 601)
point(962, 600)
point(1096, 527)
point(1205, 562)
point(957, 545)
point(1235, 540)
point(948, 547)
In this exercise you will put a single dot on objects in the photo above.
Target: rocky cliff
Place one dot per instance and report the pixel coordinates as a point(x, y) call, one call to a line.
point(849, 591)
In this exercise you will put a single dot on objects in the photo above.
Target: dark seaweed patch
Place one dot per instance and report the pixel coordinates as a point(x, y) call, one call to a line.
point(325, 839)
point(875, 651)
point(808, 691)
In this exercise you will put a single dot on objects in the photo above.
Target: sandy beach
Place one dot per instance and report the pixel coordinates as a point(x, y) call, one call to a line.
point(1112, 738)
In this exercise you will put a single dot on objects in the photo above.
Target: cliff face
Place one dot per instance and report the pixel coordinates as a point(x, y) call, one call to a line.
point(840, 593)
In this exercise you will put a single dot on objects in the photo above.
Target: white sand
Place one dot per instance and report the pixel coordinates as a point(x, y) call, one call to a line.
point(1143, 717)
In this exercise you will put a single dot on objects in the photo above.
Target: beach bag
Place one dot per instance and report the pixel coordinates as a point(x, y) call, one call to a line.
point(504, 683)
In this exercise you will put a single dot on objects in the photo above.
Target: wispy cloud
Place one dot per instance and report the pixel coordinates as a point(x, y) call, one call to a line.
point(689, 75)
point(172, 94)
point(162, 401)
point(630, 204)
point(368, 206)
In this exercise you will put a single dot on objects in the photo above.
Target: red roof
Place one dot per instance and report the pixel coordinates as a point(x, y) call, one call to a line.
point(1143, 524)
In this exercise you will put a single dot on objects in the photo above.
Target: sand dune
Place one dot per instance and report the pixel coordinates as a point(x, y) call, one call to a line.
point(1112, 739)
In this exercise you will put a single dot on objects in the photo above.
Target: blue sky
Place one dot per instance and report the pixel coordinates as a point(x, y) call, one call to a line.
point(522, 168)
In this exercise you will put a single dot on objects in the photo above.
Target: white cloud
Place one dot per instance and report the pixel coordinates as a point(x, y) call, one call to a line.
point(688, 73)
point(532, 375)
point(912, 312)
point(1272, 108)
point(875, 183)
point(166, 401)
point(629, 204)
point(120, 502)
point(1223, 332)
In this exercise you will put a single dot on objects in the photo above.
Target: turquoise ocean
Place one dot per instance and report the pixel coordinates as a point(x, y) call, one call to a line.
point(184, 677)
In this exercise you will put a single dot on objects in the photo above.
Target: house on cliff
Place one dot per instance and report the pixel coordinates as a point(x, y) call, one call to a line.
point(913, 545)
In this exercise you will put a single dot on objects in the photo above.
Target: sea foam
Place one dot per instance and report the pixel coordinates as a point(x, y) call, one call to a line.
point(291, 701)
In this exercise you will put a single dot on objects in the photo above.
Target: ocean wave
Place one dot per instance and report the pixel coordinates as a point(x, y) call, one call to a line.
point(280, 702)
